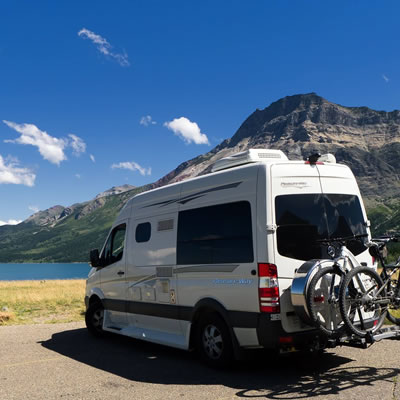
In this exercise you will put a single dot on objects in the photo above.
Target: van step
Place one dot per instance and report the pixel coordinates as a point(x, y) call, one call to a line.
point(114, 327)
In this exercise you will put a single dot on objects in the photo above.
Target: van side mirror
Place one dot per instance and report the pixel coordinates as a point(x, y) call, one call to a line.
point(95, 258)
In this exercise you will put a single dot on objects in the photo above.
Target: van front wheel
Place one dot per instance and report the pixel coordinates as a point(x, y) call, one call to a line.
point(214, 341)
point(94, 319)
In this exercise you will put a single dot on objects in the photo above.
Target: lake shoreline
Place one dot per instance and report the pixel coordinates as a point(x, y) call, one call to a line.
point(43, 271)
point(40, 263)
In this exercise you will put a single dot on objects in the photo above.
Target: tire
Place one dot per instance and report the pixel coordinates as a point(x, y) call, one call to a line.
point(213, 341)
point(323, 301)
point(94, 317)
point(358, 301)
point(393, 311)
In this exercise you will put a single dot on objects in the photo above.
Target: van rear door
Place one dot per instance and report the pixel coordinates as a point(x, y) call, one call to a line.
point(340, 186)
point(310, 203)
point(294, 188)
point(336, 178)
point(290, 180)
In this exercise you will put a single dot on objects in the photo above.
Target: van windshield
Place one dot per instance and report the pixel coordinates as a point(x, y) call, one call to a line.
point(303, 219)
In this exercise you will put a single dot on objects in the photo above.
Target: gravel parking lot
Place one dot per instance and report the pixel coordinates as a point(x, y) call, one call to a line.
point(62, 361)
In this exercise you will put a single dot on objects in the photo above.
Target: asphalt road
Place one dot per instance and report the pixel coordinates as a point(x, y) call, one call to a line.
point(63, 362)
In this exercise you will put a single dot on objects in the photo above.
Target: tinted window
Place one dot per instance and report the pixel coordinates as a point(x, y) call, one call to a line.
point(143, 232)
point(306, 218)
point(216, 234)
point(114, 248)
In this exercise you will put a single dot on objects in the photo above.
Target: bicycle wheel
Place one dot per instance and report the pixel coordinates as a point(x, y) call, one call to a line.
point(363, 302)
point(323, 301)
point(393, 291)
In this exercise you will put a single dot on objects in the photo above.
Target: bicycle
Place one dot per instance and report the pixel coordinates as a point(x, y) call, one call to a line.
point(370, 296)
point(322, 295)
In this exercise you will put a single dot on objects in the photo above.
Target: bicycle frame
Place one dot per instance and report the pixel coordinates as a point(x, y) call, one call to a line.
point(386, 277)
point(300, 286)
point(348, 259)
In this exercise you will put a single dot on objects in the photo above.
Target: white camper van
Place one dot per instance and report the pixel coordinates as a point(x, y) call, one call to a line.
point(208, 263)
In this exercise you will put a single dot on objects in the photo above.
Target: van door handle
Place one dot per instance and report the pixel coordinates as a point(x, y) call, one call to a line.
point(120, 273)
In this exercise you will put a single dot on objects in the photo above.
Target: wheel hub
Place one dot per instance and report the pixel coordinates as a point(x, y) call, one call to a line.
point(212, 341)
point(98, 319)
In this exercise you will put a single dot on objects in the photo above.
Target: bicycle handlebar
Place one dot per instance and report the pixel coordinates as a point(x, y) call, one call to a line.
point(387, 239)
point(342, 239)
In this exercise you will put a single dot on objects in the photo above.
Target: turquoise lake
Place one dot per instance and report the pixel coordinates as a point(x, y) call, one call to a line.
point(20, 272)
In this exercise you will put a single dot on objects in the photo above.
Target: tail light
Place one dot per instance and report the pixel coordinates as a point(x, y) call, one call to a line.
point(268, 290)
point(285, 339)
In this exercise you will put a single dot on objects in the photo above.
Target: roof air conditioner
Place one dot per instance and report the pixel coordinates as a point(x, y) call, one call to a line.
point(248, 156)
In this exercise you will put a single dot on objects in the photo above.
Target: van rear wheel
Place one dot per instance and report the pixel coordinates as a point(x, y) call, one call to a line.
point(94, 319)
point(213, 341)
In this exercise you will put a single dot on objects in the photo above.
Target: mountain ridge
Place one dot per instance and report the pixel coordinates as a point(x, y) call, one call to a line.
point(301, 125)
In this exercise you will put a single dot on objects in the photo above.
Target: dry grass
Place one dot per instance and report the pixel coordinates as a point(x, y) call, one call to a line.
point(28, 302)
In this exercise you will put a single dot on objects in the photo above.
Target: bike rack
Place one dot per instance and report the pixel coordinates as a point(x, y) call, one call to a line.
point(387, 332)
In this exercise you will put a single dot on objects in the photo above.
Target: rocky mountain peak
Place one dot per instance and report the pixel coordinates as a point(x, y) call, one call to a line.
point(46, 217)
point(289, 104)
point(115, 190)
point(292, 109)
point(311, 118)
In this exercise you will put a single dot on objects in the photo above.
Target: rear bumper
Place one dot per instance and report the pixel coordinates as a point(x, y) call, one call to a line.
point(271, 335)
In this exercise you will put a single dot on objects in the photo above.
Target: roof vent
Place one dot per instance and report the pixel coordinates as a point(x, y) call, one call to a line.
point(328, 158)
point(248, 156)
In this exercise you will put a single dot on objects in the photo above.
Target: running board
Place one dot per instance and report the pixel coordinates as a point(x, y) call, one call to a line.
point(115, 328)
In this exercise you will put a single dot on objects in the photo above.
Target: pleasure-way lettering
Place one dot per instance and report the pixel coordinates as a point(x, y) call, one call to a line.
point(208, 263)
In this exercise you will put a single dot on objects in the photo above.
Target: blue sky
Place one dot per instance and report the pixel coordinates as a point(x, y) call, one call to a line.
point(95, 94)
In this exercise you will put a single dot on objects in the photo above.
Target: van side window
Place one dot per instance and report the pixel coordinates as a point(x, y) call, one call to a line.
point(114, 248)
point(143, 232)
point(215, 234)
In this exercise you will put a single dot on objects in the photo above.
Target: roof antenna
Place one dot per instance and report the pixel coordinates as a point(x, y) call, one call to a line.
point(313, 158)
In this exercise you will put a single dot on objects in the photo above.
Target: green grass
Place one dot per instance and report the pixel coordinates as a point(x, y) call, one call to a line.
point(53, 301)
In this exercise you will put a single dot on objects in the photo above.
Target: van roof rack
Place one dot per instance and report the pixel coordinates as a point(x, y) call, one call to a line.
point(248, 156)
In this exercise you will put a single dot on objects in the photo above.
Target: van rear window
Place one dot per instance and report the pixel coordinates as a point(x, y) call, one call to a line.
point(304, 219)
point(215, 234)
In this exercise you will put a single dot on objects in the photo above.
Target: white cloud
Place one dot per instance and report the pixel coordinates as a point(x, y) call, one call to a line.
point(92, 157)
point(187, 130)
point(147, 120)
point(35, 209)
point(11, 172)
point(132, 166)
point(51, 148)
point(78, 176)
point(104, 47)
point(385, 78)
point(10, 222)
point(77, 144)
